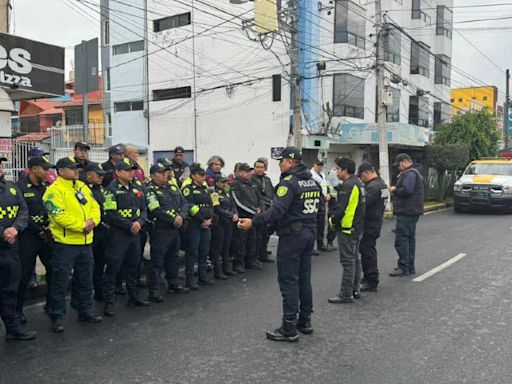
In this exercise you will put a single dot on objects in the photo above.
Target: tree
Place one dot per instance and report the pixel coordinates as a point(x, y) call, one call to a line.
point(477, 130)
point(448, 157)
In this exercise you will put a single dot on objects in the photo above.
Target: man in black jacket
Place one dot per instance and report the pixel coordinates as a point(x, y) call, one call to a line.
point(376, 193)
point(266, 190)
point(408, 206)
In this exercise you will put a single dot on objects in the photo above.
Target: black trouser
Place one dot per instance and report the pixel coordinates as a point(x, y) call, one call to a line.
point(99, 249)
point(331, 232)
point(294, 273)
point(320, 225)
point(165, 244)
point(243, 247)
point(405, 241)
point(351, 264)
point(32, 245)
point(123, 248)
point(262, 239)
point(144, 264)
point(220, 244)
point(10, 274)
point(368, 251)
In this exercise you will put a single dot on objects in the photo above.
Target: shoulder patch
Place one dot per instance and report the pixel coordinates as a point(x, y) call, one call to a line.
point(282, 191)
point(186, 192)
point(13, 191)
point(288, 178)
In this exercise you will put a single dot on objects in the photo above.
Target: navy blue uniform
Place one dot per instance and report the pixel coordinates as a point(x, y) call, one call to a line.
point(200, 208)
point(100, 242)
point(222, 232)
point(123, 206)
point(13, 213)
point(164, 205)
point(294, 215)
point(35, 240)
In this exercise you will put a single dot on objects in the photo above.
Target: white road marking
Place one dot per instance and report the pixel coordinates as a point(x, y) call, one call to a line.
point(439, 268)
point(438, 210)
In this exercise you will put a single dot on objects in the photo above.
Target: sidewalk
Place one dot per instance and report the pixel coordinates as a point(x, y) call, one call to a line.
point(430, 206)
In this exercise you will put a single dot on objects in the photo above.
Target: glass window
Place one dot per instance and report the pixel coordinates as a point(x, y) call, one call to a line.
point(106, 32)
point(172, 93)
point(121, 49)
point(137, 46)
point(276, 87)
point(484, 98)
point(444, 22)
point(460, 99)
point(349, 26)
point(489, 169)
point(137, 105)
point(441, 114)
point(392, 45)
point(418, 111)
point(171, 22)
point(348, 96)
point(416, 9)
point(394, 110)
point(420, 59)
point(442, 70)
point(125, 106)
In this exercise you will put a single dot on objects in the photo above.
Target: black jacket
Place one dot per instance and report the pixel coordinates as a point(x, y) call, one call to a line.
point(179, 167)
point(247, 197)
point(109, 176)
point(200, 205)
point(226, 208)
point(124, 205)
point(265, 188)
point(295, 203)
point(164, 204)
point(376, 193)
point(350, 206)
point(410, 194)
point(37, 214)
point(13, 209)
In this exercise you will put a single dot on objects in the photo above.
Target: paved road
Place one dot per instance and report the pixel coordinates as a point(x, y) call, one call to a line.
point(454, 327)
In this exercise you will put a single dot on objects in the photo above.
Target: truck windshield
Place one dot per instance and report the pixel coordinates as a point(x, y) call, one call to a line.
point(489, 169)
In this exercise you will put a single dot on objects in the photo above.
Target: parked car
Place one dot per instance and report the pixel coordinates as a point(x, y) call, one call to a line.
point(485, 184)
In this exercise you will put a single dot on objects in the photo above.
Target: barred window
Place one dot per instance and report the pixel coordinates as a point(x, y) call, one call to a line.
point(348, 97)
point(349, 26)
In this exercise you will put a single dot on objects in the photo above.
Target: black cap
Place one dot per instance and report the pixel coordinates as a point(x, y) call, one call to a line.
point(67, 162)
point(197, 168)
point(221, 179)
point(289, 153)
point(115, 150)
point(401, 157)
point(179, 149)
point(157, 167)
point(245, 167)
point(319, 161)
point(37, 152)
point(95, 167)
point(82, 144)
point(364, 167)
point(39, 162)
point(167, 163)
point(2, 159)
point(125, 165)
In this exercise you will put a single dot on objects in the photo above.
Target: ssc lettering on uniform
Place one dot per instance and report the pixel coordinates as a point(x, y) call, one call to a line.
point(311, 206)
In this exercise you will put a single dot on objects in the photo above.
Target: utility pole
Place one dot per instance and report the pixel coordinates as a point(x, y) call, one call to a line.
point(295, 76)
point(4, 16)
point(506, 125)
point(381, 107)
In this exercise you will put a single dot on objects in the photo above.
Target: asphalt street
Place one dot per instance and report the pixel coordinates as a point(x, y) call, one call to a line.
point(453, 327)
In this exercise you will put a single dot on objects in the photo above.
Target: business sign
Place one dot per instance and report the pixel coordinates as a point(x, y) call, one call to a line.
point(86, 67)
point(30, 69)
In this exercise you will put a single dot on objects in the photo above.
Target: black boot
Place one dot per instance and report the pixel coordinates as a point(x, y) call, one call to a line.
point(191, 283)
point(155, 297)
point(20, 335)
point(228, 269)
point(136, 301)
point(304, 325)
point(287, 332)
point(109, 310)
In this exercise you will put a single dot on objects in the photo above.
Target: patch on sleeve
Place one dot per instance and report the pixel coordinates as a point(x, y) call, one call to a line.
point(282, 191)
point(186, 192)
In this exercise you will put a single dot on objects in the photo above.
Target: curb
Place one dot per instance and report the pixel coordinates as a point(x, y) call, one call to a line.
point(429, 208)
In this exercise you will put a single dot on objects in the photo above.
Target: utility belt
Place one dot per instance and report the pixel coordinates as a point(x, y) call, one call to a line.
point(291, 229)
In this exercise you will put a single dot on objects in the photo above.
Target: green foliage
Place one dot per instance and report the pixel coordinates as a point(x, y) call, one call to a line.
point(448, 157)
point(478, 130)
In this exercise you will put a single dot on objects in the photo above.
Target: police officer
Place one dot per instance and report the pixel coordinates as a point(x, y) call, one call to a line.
point(294, 214)
point(95, 174)
point(248, 203)
point(35, 240)
point(125, 209)
point(115, 154)
point(347, 219)
point(180, 167)
point(167, 210)
point(225, 218)
point(13, 220)
point(200, 210)
point(266, 191)
point(73, 214)
point(376, 193)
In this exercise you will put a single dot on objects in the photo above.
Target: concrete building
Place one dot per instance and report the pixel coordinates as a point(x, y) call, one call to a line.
point(474, 99)
point(215, 87)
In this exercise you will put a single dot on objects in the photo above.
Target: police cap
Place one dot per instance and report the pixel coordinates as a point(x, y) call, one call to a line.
point(196, 168)
point(289, 153)
point(95, 167)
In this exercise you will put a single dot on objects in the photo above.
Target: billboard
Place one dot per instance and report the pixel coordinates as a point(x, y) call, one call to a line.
point(86, 67)
point(30, 69)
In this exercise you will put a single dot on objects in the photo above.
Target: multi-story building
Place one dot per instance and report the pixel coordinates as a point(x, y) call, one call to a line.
point(474, 99)
point(214, 86)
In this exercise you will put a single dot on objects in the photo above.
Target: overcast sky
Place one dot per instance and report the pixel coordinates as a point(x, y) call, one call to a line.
point(57, 22)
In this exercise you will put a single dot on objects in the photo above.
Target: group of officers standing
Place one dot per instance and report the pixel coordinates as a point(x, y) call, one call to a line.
point(90, 226)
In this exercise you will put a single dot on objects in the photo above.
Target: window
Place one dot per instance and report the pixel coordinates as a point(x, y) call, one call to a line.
point(441, 114)
point(109, 123)
point(484, 98)
point(107, 79)
point(461, 99)
point(418, 111)
point(172, 93)
point(106, 32)
point(392, 45)
point(394, 110)
point(444, 21)
point(125, 106)
point(171, 22)
point(442, 70)
point(417, 13)
point(133, 46)
point(420, 59)
point(348, 97)
point(349, 26)
point(452, 100)
point(276, 87)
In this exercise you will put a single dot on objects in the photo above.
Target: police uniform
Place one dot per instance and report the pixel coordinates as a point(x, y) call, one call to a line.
point(35, 240)
point(164, 203)
point(266, 190)
point(200, 208)
point(294, 215)
point(123, 206)
point(13, 213)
